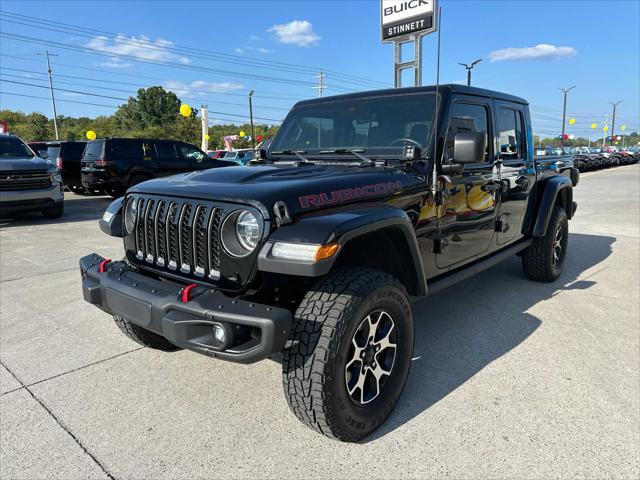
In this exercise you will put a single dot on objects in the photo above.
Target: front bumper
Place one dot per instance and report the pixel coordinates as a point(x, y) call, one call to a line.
point(156, 306)
point(31, 199)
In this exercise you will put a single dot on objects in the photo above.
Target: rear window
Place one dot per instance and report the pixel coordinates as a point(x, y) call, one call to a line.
point(74, 150)
point(94, 150)
point(53, 151)
point(165, 150)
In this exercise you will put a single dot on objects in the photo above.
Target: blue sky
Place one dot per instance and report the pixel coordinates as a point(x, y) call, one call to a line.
point(530, 48)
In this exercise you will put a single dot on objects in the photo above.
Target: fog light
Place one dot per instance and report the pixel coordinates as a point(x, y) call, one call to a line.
point(219, 333)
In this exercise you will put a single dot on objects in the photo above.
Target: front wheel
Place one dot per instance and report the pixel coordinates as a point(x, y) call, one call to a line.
point(543, 261)
point(350, 353)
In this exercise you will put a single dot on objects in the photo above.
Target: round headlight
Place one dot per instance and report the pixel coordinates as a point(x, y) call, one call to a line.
point(247, 230)
point(130, 214)
point(240, 233)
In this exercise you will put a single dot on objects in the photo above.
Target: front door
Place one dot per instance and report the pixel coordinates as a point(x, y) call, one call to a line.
point(516, 170)
point(467, 216)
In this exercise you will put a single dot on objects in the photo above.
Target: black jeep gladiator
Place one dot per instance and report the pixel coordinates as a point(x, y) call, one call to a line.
point(313, 254)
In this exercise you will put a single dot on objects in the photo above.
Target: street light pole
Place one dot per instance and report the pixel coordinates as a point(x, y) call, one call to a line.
point(53, 100)
point(613, 120)
point(253, 133)
point(469, 68)
point(564, 110)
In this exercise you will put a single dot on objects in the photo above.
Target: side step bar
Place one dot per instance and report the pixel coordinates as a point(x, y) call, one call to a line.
point(470, 270)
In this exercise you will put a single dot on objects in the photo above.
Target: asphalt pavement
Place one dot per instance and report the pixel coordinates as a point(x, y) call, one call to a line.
point(511, 378)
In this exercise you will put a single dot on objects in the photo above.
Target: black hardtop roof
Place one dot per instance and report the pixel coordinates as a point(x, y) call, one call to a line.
point(448, 88)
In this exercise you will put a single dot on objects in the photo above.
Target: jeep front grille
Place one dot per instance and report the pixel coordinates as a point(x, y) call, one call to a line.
point(178, 236)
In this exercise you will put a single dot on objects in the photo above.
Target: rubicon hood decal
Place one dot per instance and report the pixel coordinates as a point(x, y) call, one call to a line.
point(347, 194)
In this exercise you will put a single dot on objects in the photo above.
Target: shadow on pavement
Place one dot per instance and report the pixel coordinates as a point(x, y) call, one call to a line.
point(461, 330)
point(76, 209)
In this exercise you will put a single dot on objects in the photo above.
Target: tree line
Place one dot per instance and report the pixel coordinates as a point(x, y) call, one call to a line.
point(153, 113)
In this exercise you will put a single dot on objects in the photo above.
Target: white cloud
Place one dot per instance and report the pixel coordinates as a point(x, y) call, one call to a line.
point(241, 51)
point(297, 32)
point(255, 38)
point(532, 53)
point(114, 62)
point(142, 48)
point(199, 88)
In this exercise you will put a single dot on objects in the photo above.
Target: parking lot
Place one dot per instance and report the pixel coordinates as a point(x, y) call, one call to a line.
point(510, 378)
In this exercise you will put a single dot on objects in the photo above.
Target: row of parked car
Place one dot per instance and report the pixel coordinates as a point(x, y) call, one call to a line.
point(111, 165)
point(593, 158)
point(34, 175)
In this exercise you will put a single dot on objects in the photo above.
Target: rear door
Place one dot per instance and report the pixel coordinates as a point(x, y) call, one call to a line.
point(515, 169)
point(467, 218)
point(168, 158)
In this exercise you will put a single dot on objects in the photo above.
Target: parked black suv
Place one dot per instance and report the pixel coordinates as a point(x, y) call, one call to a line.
point(67, 156)
point(115, 164)
point(362, 203)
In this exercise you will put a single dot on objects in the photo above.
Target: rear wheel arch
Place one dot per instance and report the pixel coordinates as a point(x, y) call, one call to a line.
point(556, 191)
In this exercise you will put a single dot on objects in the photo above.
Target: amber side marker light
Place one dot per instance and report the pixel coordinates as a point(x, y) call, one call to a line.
point(326, 251)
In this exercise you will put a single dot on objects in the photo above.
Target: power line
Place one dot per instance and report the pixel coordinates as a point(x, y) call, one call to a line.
point(125, 99)
point(186, 89)
point(60, 100)
point(198, 53)
point(133, 93)
point(66, 46)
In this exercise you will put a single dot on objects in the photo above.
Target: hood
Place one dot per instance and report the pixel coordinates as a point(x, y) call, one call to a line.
point(17, 164)
point(302, 189)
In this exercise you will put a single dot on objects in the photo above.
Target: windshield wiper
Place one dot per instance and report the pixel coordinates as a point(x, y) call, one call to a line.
point(297, 153)
point(355, 153)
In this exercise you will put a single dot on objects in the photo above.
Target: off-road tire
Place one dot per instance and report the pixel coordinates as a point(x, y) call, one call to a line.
point(325, 322)
point(142, 336)
point(538, 259)
point(53, 212)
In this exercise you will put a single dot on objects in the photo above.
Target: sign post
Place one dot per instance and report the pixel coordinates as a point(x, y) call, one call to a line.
point(405, 21)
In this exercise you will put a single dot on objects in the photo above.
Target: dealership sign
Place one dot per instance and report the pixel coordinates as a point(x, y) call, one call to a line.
point(403, 19)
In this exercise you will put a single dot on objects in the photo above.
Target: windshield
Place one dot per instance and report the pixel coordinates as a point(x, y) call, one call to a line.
point(230, 155)
point(382, 125)
point(14, 147)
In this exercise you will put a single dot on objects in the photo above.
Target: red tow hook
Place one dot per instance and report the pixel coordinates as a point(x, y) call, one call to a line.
point(186, 292)
point(103, 265)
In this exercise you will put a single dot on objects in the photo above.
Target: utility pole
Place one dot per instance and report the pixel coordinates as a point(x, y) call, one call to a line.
point(564, 110)
point(321, 86)
point(613, 121)
point(469, 68)
point(53, 100)
point(253, 133)
point(204, 119)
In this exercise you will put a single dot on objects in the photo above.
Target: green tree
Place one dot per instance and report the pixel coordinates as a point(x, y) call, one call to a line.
point(153, 107)
point(36, 128)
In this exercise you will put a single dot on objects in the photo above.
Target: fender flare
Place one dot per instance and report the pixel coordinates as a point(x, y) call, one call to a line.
point(341, 226)
point(553, 187)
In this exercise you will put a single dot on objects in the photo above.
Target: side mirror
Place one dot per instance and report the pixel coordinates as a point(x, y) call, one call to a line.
point(469, 147)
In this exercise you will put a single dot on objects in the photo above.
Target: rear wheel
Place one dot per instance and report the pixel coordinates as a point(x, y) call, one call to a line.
point(136, 179)
point(543, 261)
point(350, 353)
point(143, 336)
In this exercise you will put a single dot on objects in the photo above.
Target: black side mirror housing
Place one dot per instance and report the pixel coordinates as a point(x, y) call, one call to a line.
point(469, 147)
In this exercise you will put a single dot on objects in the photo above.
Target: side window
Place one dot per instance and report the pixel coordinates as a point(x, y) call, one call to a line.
point(127, 149)
point(467, 117)
point(191, 152)
point(510, 130)
point(165, 150)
